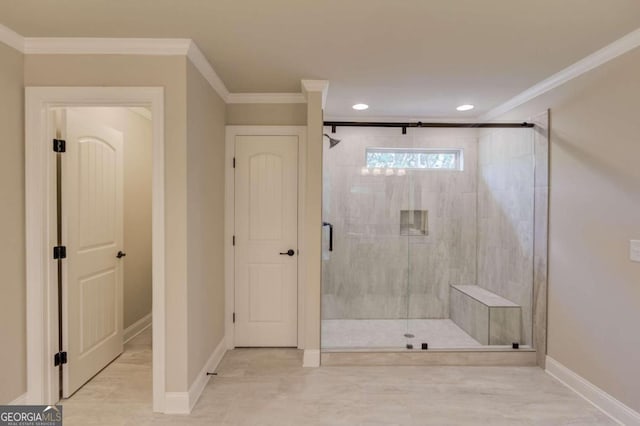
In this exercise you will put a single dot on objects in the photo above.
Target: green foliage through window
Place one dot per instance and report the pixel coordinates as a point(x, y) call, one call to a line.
point(446, 159)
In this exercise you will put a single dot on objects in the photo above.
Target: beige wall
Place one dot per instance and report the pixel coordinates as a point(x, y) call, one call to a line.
point(267, 114)
point(13, 375)
point(136, 131)
point(168, 72)
point(137, 217)
point(205, 217)
point(594, 289)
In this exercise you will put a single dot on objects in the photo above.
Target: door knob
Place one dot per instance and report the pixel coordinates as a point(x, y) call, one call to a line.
point(121, 254)
point(289, 252)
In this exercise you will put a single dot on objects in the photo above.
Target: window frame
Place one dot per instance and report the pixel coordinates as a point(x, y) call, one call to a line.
point(458, 152)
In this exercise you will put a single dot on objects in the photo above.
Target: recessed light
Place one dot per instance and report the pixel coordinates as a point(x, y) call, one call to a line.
point(465, 107)
point(360, 107)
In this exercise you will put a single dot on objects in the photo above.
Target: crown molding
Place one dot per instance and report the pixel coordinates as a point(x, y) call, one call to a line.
point(316, 86)
point(198, 60)
point(267, 98)
point(600, 57)
point(153, 46)
point(128, 46)
point(105, 46)
point(11, 38)
point(147, 46)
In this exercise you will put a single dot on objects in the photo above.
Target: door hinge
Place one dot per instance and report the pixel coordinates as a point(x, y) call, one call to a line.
point(234, 162)
point(59, 145)
point(59, 359)
point(234, 317)
point(234, 240)
point(59, 252)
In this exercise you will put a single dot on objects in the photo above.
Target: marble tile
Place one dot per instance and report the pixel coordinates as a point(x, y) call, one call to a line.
point(374, 272)
point(438, 333)
point(489, 318)
point(504, 325)
point(484, 296)
point(470, 315)
point(506, 219)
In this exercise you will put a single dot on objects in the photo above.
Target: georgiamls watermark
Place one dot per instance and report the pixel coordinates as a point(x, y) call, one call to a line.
point(30, 415)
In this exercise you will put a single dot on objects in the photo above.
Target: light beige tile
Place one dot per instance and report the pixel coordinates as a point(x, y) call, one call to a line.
point(374, 272)
point(504, 325)
point(506, 180)
point(470, 315)
point(269, 387)
point(437, 333)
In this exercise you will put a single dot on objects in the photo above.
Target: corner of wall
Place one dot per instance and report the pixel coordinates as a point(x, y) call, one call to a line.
point(205, 222)
point(13, 328)
point(313, 231)
point(600, 399)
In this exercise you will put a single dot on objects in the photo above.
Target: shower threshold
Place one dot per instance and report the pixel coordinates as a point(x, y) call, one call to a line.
point(490, 356)
point(383, 342)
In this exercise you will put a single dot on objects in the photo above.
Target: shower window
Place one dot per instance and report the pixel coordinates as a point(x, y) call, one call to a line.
point(412, 158)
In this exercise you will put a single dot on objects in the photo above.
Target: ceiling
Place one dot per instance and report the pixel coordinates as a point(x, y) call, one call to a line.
point(405, 58)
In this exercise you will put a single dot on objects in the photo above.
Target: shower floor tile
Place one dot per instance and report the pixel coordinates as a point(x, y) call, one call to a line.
point(438, 333)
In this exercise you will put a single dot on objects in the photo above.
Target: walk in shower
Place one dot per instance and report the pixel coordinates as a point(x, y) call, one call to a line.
point(429, 237)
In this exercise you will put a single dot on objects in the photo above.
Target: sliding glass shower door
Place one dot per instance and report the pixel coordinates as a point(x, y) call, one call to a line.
point(442, 237)
point(365, 253)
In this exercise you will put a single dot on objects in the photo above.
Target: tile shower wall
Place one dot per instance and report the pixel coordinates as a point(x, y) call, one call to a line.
point(506, 218)
point(374, 272)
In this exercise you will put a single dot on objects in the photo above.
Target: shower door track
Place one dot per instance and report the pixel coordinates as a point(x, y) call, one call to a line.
point(420, 124)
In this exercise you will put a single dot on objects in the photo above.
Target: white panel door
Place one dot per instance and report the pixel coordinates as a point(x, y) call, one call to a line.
point(92, 220)
point(266, 228)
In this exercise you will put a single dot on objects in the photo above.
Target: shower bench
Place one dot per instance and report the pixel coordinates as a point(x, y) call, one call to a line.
point(487, 317)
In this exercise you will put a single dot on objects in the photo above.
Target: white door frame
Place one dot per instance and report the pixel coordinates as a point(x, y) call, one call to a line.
point(41, 271)
point(229, 219)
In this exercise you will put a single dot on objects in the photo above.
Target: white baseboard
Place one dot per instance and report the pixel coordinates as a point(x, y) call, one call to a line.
point(610, 406)
point(311, 358)
point(176, 403)
point(202, 379)
point(183, 402)
point(21, 400)
point(136, 328)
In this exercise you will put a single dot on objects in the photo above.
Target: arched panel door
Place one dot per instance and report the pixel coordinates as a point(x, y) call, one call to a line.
point(92, 221)
point(266, 230)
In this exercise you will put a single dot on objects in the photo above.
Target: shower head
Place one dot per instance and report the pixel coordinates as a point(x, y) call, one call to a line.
point(332, 142)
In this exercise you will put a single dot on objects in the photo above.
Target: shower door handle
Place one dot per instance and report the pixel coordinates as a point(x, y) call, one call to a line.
point(330, 234)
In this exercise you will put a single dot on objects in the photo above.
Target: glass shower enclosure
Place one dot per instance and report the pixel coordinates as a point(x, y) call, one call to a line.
point(428, 238)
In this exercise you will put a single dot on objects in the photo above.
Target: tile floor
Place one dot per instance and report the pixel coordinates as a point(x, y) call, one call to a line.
point(268, 387)
point(438, 333)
